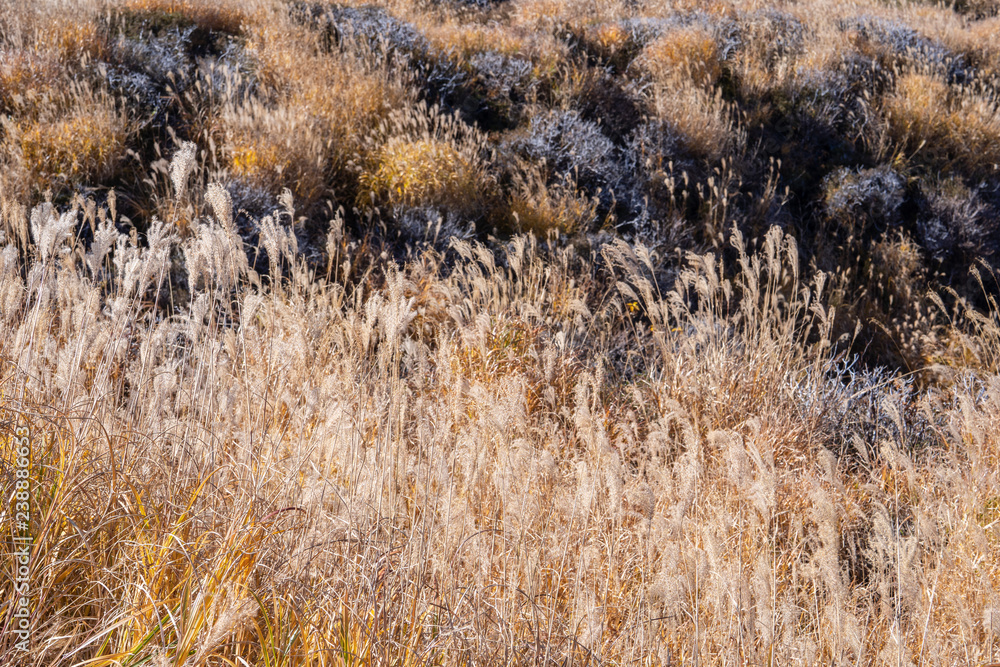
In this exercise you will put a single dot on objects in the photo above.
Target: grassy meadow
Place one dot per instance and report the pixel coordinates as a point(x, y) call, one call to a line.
point(500, 332)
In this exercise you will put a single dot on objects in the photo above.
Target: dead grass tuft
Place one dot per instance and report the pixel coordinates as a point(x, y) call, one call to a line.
point(25, 79)
point(945, 125)
point(684, 53)
point(85, 144)
point(226, 16)
point(422, 158)
point(537, 332)
point(538, 207)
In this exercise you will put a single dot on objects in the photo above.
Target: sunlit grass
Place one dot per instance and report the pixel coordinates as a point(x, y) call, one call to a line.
point(501, 333)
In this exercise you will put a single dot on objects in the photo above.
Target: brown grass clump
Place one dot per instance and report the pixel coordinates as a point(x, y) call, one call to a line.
point(683, 67)
point(72, 38)
point(425, 171)
point(684, 53)
point(25, 77)
point(945, 125)
point(976, 44)
point(463, 40)
point(538, 207)
point(87, 143)
point(226, 16)
point(716, 8)
point(271, 147)
point(422, 158)
point(916, 108)
point(700, 118)
point(611, 37)
point(323, 106)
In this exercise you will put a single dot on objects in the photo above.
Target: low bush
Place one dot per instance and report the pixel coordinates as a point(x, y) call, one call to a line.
point(864, 202)
point(569, 146)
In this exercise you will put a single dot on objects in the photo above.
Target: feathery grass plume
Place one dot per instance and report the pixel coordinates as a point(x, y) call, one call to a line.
point(50, 231)
point(11, 285)
point(222, 205)
point(182, 164)
point(424, 447)
point(214, 256)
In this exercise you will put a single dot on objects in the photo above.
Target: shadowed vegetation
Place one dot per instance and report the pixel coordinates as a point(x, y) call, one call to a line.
point(516, 332)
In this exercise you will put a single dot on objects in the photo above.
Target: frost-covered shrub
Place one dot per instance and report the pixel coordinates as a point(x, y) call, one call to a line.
point(955, 221)
point(155, 56)
point(653, 146)
point(688, 52)
point(866, 197)
point(771, 35)
point(856, 73)
point(490, 89)
point(978, 9)
point(644, 29)
point(368, 26)
point(143, 69)
point(895, 41)
point(137, 86)
point(501, 73)
point(570, 145)
point(874, 406)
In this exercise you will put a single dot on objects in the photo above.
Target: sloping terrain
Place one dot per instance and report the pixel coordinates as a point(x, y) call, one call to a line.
point(502, 332)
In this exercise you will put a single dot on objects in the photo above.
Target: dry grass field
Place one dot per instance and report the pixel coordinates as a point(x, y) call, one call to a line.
point(499, 332)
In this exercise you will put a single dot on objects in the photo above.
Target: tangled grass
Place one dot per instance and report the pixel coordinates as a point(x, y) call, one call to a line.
point(500, 333)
